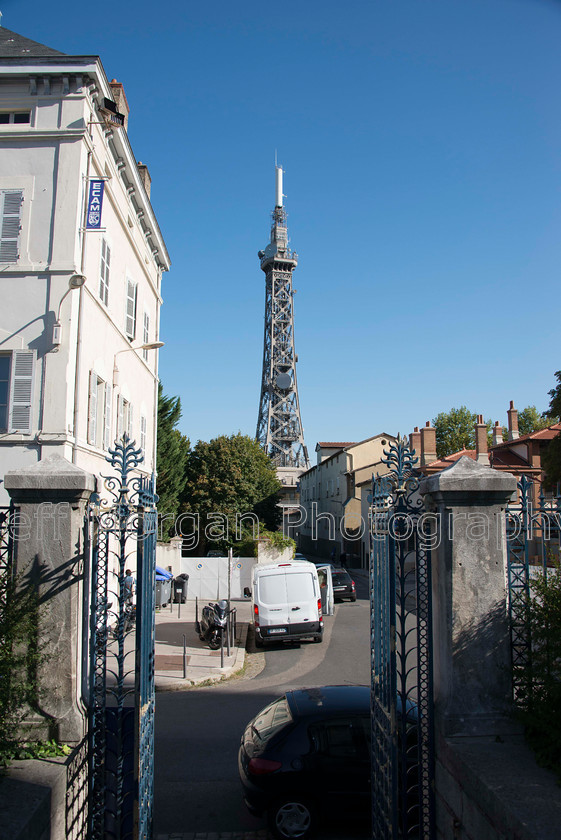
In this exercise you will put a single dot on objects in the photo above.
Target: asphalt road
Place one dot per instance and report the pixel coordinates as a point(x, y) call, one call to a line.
point(198, 731)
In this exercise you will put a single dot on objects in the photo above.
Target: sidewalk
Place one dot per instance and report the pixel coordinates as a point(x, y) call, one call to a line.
point(202, 665)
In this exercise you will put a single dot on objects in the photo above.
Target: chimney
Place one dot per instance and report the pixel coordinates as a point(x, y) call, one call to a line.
point(428, 444)
point(118, 92)
point(144, 176)
point(481, 451)
point(415, 442)
point(497, 434)
point(512, 422)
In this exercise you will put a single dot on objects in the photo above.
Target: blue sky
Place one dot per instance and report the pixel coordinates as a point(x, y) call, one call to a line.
point(422, 146)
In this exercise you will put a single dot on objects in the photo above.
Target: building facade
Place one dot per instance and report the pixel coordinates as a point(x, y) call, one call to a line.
point(81, 264)
point(332, 509)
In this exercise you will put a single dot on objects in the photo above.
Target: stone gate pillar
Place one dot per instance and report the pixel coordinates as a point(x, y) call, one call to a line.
point(52, 497)
point(472, 659)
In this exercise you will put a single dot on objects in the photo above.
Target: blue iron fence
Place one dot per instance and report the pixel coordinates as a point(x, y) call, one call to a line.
point(401, 650)
point(532, 528)
point(122, 527)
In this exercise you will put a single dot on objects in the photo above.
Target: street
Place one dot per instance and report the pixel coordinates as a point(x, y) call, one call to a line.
point(198, 731)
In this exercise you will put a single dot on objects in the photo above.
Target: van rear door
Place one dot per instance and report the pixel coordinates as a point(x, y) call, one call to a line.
point(272, 600)
point(301, 597)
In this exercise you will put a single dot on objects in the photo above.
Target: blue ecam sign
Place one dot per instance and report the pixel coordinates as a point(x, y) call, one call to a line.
point(95, 202)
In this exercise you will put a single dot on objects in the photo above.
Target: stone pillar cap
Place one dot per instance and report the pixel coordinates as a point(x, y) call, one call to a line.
point(469, 476)
point(54, 474)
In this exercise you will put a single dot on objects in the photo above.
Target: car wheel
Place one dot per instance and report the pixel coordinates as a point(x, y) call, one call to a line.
point(291, 818)
point(259, 643)
point(318, 638)
point(353, 599)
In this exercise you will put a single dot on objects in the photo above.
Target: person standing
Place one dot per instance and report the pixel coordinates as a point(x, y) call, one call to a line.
point(129, 585)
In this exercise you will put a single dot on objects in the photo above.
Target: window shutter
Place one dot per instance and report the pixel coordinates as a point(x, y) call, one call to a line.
point(10, 208)
point(21, 392)
point(130, 326)
point(107, 417)
point(92, 409)
point(120, 411)
point(129, 424)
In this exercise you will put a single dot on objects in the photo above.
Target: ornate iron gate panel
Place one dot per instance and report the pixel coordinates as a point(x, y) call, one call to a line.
point(122, 526)
point(532, 528)
point(401, 654)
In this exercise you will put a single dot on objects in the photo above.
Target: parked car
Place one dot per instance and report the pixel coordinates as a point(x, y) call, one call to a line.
point(215, 553)
point(300, 557)
point(306, 757)
point(343, 585)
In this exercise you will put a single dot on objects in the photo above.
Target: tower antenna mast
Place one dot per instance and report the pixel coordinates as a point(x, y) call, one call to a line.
point(279, 426)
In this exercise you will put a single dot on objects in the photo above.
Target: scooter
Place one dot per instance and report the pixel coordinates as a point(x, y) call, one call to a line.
point(212, 626)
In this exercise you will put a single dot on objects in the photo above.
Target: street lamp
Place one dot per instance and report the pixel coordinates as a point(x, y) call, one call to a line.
point(152, 345)
point(75, 282)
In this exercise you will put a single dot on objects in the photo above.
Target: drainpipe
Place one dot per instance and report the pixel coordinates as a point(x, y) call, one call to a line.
point(80, 308)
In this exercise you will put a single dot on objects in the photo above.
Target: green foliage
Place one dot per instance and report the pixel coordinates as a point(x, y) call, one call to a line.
point(530, 420)
point(21, 653)
point(541, 712)
point(41, 749)
point(173, 449)
point(228, 476)
point(455, 430)
point(278, 540)
point(551, 457)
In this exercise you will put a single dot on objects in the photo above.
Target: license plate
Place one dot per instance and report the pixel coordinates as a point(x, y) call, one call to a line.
point(277, 630)
point(338, 588)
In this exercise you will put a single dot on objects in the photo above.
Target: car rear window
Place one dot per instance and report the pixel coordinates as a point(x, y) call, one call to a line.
point(340, 578)
point(272, 719)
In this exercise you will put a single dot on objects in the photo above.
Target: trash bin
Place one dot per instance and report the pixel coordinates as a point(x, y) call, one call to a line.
point(180, 584)
point(163, 592)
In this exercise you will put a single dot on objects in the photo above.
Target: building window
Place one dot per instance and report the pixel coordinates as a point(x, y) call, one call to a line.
point(15, 117)
point(124, 417)
point(99, 412)
point(145, 335)
point(10, 224)
point(104, 272)
point(143, 435)
point(130, 321)
point(16, 391)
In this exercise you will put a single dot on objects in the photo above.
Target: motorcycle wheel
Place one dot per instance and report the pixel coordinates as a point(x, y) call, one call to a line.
point(214, 641)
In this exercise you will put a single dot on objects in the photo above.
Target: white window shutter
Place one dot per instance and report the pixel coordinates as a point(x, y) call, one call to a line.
point(130, 325)
point(92, 409)
point(129, 425)
point(107, 417)
point(10, 225)
point(119, 417)
point(21, 391)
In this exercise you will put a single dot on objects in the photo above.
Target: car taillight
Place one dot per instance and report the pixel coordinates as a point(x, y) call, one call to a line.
point(262, 766)
point(256, 615)
point(353, 584)
point(319, 606)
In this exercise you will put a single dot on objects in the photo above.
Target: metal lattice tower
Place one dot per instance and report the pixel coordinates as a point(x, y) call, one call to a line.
point(279, 427)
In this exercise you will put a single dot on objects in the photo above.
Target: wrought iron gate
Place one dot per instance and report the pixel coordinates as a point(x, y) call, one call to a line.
point(533, 526)
point(401, 651)
point(121, 711)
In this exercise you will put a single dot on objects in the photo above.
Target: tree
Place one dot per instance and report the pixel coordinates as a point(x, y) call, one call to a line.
point(530, 420)
point(551, 458)
point(226, 477)
point(455, 430)
point(173, 449)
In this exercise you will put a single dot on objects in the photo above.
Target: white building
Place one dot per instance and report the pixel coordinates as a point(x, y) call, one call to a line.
point(73, 371)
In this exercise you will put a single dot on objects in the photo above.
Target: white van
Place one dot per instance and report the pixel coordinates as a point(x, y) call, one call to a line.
point(286, 600)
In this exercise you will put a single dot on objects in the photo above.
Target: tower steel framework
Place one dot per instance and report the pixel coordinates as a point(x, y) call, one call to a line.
point(279, 426)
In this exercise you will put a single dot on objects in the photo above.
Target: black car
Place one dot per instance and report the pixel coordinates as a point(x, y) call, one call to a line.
point(343, 585)
point(305, 754)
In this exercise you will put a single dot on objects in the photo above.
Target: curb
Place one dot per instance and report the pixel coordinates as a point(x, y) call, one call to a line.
point(220, 675)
